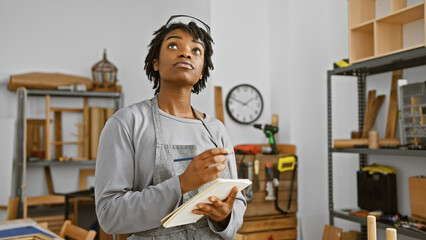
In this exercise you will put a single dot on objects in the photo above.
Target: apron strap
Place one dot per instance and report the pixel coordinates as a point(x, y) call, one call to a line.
point(159, 129)
point(156, 117)
point(206, 127)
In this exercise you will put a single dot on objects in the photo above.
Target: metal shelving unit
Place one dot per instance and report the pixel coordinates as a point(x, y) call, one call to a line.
point(407, 59)
point(18, 162)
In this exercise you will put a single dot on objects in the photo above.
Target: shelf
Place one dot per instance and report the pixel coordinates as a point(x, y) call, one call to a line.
point(389, 30)
point(58, 163)
point(371, 37)
point(364, 26)
point(411, 58)
point(361, 11)
point(362, 41)
point(397, 152)
point(57, 93)
point(405, 15)
point(400, 230)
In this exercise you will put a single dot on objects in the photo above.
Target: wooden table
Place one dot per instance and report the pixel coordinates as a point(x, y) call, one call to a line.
point(25, 229)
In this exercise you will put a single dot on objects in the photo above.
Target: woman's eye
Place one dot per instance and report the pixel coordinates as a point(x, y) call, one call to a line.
point(197, 51)
point(172, 46)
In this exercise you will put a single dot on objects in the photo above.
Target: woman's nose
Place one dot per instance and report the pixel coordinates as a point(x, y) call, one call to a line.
point(185, 53)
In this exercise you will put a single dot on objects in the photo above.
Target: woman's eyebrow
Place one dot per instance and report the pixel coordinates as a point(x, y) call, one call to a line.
point(199, 42)
point(179, 37)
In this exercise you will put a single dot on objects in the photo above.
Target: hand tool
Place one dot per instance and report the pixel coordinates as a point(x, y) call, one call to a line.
point(256, 186)
point(242, 170)
point(249, 191)
point(251, 149)
point(269, 184)
point(281, 167)
point(269, 131)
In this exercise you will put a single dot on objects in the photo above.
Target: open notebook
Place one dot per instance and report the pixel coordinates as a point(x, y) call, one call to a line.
point(220, 188)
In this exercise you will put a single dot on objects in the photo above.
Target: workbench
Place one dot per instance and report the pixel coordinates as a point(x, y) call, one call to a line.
point(262, 220)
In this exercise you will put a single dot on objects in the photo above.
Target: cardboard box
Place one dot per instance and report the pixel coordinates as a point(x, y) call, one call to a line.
point(417, 198)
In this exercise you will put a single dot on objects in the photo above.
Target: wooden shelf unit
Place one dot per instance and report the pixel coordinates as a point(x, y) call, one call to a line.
point(371, 37)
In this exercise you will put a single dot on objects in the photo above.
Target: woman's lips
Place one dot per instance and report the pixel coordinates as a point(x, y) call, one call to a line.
point(184, 64)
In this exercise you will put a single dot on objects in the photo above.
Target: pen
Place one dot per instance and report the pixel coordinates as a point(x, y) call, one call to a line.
point(190, 158)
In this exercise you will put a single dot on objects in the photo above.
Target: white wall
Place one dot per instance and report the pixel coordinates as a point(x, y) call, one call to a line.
point(282, 47)
point(242, 55)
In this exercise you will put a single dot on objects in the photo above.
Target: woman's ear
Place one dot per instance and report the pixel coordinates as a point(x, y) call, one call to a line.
point(155, 64)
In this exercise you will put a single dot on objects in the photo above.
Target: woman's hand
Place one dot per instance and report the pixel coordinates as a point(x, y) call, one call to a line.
point(200, 171)
point(218, 211)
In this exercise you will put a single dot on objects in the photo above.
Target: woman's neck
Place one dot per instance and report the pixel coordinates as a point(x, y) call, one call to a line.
point(176, 102)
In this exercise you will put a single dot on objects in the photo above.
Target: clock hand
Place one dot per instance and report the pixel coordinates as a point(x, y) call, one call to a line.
point(237, 100)
point(251, 99)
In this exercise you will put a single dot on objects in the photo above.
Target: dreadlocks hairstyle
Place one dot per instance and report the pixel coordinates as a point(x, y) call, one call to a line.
point(154, 53)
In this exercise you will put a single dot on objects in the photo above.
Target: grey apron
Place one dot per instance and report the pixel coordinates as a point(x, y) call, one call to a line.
point(165, 168)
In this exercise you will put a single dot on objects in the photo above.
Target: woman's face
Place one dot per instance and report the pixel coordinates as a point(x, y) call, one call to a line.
point(181, 59)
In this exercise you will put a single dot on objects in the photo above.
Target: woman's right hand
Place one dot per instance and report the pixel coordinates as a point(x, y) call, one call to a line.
point(200, 171)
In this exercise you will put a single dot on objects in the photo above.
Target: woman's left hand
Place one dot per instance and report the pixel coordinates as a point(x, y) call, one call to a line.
point(218, 211)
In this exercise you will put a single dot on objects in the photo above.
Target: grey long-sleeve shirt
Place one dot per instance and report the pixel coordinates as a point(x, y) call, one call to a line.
point(126, 199)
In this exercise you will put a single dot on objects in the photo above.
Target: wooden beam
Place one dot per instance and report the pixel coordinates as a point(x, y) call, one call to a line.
point(49, 181)
point(219, 103)
point(57, 123)
point(47, 130)
point(393, 105)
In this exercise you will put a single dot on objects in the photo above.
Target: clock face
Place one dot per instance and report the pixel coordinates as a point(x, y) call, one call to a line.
point(244, 103)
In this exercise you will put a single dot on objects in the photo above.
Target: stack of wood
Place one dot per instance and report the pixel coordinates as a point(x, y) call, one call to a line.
point(372, 110)
point(88, 132)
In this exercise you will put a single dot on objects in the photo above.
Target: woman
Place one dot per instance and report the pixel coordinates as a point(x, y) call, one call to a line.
point(137, 182)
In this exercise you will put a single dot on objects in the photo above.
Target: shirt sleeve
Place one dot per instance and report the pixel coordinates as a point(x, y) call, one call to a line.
point(240, 204)
point(119, 208)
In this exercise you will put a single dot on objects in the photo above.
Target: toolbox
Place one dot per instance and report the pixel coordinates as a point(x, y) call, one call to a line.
point(377, 192)
point(418, 198)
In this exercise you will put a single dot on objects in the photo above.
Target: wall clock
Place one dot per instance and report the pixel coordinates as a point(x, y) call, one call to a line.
point(244, 103)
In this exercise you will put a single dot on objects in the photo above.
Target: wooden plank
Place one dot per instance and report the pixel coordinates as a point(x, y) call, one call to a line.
point(49, 181)
point(54, 109)
point(12, 208)
point(331, 233)
point(259, 196)
point(268, 224)
point(108, 114)
point(62, 143)
point(83, 174)
point(268, 208)
point(86, 127)
point(219, 104)
point(369, 106)
point(47, 129)
point(350, 143)
point(393, 105)
point(398, 4)
point(286, 234)
point(94, 131)
point(57, 125)
point(377, 104)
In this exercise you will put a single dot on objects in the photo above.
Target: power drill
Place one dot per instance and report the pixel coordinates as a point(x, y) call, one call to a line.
point(269, 131)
